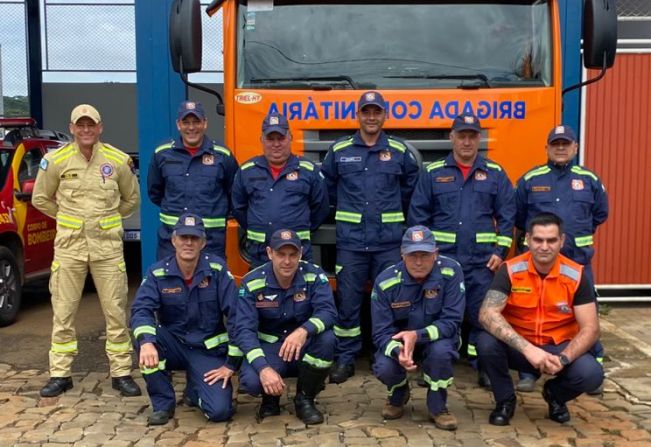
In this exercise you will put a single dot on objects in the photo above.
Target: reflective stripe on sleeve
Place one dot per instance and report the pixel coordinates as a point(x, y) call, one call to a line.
point(346, 216)
point(217, 340)
point(445, 236)
point(137, 332)
point(254, 354)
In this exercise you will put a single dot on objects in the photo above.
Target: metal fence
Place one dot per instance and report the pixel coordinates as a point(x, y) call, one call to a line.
point(634, 8)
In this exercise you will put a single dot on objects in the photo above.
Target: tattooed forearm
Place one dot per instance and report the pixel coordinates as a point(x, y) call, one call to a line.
point(490, 316)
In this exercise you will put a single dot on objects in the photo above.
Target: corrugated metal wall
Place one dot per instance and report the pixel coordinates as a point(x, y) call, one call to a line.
point(618, 148)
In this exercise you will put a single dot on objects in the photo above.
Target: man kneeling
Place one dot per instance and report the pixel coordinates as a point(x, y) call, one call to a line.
point(540, 316)
point(178, 322)
point(284, 326)
point(417, 306)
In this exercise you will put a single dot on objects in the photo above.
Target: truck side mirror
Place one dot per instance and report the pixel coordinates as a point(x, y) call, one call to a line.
point(28, 186)
point(599, 33)
point(185, 36)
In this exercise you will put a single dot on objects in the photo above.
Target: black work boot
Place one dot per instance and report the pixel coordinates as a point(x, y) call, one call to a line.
point(56, 386)
point(126, 386)
point(342, 372)
point(503, 412)
point(160, 417)
point(558, 411)
point(310, 382)
point(270, 406)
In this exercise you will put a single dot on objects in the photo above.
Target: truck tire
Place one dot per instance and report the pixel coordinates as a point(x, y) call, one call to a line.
point(10, 287)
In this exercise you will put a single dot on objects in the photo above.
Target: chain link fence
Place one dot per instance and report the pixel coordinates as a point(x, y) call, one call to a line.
point(13, 59)
point(634, 8)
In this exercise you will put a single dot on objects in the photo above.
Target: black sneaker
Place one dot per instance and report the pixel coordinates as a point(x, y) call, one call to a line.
point(342, 372)
point(558, 412)
point(56, 386)
point(160, 417)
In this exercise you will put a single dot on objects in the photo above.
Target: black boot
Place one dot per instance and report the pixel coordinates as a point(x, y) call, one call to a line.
point(310, 382)
point(270, 406)
point(342, 372)
point(503, 412)
point(558, 411)
point(56, 386)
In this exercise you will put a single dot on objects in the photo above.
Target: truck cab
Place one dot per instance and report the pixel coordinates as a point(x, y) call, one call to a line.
point(26, 234)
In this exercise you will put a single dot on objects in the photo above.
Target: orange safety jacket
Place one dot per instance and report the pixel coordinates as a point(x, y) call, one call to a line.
point(541, 310)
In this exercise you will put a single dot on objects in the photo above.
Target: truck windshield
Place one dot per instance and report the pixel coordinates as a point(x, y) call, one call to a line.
point(6, 155)
point(394, 45)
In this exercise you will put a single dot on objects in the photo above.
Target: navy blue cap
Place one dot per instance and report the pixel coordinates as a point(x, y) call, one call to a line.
point(280, 238)
point(275, 122)
point(418, 238)
point(190, 225)
point(561, 133)
point(190, 108)
point(371, 98)
point(466, 121)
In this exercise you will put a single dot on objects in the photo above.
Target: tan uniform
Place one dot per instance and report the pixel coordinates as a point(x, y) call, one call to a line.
point(88, 200)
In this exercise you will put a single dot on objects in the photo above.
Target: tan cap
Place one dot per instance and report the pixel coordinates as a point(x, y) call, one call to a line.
point(83, 110)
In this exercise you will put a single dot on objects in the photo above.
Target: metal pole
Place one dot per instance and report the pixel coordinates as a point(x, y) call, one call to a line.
point(34, 64)
point(2, 96)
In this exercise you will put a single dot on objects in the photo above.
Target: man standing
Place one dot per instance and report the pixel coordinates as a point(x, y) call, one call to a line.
point(467, 201)
point(540, 316)
point(192, 174)
point(370, 178)
point(278, 190)
point(88, 186)
point(285, 315)
point(417, 307)
point(178, 321)
point(574, 194)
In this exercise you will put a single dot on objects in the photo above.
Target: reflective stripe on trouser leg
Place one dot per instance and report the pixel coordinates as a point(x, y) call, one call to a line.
point(158, 378)
point(66, 286)
point(319, 350)
point(110, 279)
point(438, 357)
point(390, 373)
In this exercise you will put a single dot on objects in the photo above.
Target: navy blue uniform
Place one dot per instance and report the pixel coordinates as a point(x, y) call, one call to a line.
point(178, 182)
point(574, 194)
point(434, 309)
point(267, 314)
point(296, 200)
point(472, 219)
point(186, 324)
point(371, 188)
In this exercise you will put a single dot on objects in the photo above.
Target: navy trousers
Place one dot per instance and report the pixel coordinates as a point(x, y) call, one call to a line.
point(435, 358)
point(354, 268)
point(317, 352)
point(496, 357)
point(215, 402)
point(477, 279)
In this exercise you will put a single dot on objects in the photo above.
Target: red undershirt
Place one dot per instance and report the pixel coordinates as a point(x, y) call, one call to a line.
point(275, 171)
point(192, 150)
point(465, 170)
point(188, 281)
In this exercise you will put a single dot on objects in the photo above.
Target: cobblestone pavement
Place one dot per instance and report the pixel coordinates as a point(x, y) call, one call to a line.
point(93, 414)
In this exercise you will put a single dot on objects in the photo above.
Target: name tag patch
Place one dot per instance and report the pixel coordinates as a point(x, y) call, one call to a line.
point(350, 159)
point(521, 289)
point(266, 304)
point(541, 188)
point(171, 290)
point(400, 304)
point(447, 179)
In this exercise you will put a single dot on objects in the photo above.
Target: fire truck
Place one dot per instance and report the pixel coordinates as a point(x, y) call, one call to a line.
point(26, 234)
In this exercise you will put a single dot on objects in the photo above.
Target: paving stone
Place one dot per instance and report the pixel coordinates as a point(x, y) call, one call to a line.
point(69, 435)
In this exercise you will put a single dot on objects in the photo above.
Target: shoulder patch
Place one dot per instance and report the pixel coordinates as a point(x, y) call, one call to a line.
point(221, 150)
point(541, 170)
point(256, 284)
point(390, 282)
point(447, 271)
point(158, 273)
point(397, 145)
point(342, 144)
point(43, 164)
point(493, 166)
point(519, 267)
point(306, 165)
point(247, 165)
point(216, 266)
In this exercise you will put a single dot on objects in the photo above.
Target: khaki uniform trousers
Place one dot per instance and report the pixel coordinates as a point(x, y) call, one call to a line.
point(66, 286)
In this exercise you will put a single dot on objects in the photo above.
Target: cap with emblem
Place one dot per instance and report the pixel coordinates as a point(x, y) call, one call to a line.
point(418, 238)
point(275, 122)
point(190, 108)
point(371, 98)
point(83, 110)
point(190, 225)
point(466, 121)
point(280, 238)
point(561, 133)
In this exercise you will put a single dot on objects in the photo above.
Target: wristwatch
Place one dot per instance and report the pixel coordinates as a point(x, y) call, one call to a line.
point(564, 360)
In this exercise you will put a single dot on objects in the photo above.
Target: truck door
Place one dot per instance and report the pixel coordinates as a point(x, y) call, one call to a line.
point(36, 229)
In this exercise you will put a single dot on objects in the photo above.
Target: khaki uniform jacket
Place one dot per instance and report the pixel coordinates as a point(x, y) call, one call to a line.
point(88, 199)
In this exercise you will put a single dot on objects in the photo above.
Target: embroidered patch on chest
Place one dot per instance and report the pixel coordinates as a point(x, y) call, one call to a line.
point(299, 296)
point(204, 283)
point(208, 159)
point(350, 159)
point(385, 155)
point(521, 289)
point(266, 304)
point(480, 175)
point(171, 290)
point(106, 170)
point(447, 179)
point(292, 176)
point(400, 304)
point(577, 184)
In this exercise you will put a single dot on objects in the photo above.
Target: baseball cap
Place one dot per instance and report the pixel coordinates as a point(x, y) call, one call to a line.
point(561, 133)
point(83, 110)
point(371, 98)
point(275, 122)
point(190, 108)
point(190, 225)
point(418, 238)
point(280, 238)
point(466, 121)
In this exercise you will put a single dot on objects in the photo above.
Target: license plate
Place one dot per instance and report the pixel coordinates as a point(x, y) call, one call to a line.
point(132, 235)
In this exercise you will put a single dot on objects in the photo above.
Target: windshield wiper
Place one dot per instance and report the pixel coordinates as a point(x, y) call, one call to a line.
point(338, 78)
point(479, 76)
